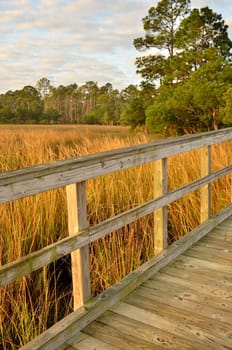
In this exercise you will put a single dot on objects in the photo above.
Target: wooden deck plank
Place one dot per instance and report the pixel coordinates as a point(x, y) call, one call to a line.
point(209, 254)
point(226, 225)
point(195, 271)
point(86, 342)
point(223, 236)
point(205, 289)
point(213, 253)
point(213, 243)
point(122, 340)
point(188, 292)
point(184, 320)
point(147, 332)
point(179, 300)
point(198, 338)
point(212, 265)
point(223, 232)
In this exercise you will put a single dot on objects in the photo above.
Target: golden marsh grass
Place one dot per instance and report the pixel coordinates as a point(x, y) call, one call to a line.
point(35, 302)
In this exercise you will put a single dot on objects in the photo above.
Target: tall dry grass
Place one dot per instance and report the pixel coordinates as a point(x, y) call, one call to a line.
point(35, 302)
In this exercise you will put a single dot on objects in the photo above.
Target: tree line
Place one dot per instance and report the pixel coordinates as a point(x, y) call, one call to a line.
point(84, 104)
point(186, 80)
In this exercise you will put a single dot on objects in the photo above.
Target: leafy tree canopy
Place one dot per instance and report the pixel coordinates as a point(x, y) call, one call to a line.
point(180, 40)
point(201, 102)
point(204, 29)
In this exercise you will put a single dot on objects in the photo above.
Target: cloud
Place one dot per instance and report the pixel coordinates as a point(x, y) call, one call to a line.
point(73, 41)
point(85, 71)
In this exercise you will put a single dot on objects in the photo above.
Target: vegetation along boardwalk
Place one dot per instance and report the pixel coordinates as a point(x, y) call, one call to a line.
point(181, 297)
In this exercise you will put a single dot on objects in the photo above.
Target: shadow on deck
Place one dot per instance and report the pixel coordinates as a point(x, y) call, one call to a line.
point(186, 305)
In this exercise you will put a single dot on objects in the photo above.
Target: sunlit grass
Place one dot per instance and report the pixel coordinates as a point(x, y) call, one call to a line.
point(35, 302)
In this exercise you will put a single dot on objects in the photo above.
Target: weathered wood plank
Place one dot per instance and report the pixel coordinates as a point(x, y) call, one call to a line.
point(214, 243)
point(75, 322)
point(227, 225)
point(151, 317)
point(24, 182)
point(222, 236)
point(186, 292)
point(147, 332)
point(211, 257)
point(205, 190)
point(160, 215)
point(223, 292)
point(77, 220)
point(122, 340)
point(86, 342)
point(213, 253)
point(225, 269)
point(69, 347)
point(183, 319)
point(225, 228)
point(224, 233)
point(169, 297)
point(195, 271)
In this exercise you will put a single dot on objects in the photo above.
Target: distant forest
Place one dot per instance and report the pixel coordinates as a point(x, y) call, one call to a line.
point(85, 104)
point(186, 80)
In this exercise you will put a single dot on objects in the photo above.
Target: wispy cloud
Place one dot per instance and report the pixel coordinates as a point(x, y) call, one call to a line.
point(74, 41)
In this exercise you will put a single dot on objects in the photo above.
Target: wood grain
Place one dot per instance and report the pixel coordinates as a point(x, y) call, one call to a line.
point(160, 215)
point(147, 332)
point(169, 323)
point(205, 190)
point(77, 220)
point(87, 342)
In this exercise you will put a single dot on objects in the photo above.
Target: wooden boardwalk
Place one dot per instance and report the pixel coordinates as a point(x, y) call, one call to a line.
point(186, 305)
point(181, 298)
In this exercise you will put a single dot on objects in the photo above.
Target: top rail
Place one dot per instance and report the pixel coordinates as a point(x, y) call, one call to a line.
point(29, 181)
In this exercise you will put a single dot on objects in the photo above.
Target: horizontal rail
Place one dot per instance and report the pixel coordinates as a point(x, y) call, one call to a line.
point(34, 261)
point(40, 178)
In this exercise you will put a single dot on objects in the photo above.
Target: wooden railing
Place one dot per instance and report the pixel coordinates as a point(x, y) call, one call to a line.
point(73, 174)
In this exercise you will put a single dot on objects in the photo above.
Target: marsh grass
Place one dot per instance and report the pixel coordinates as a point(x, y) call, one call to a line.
point(35, 302)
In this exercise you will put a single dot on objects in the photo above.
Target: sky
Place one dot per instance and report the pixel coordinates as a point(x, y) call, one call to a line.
point(76, 41)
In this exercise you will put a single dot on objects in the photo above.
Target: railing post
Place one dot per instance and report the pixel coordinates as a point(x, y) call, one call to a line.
point(77, 220)
point(205, 190)
point(160, 215)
